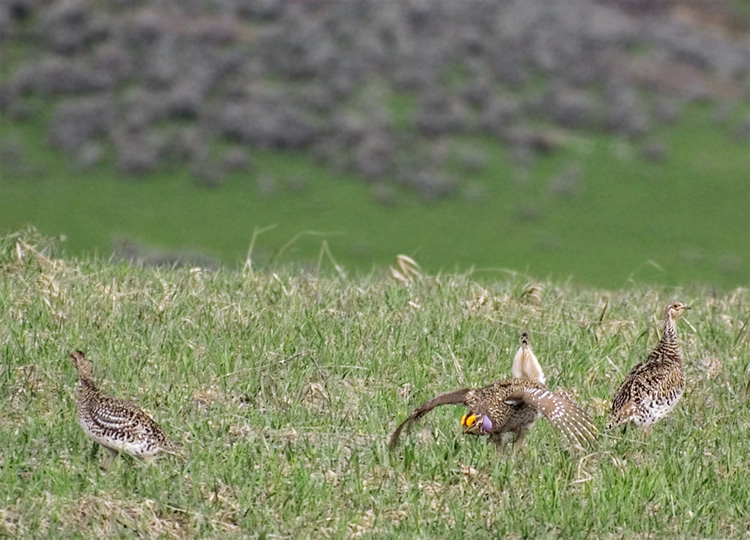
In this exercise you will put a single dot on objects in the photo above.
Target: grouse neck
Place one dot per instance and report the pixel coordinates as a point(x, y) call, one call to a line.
point(86, 385)
point(669, 344)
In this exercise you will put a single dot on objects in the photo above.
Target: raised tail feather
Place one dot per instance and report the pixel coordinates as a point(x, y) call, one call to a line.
point(457, 397)
point(525, 364)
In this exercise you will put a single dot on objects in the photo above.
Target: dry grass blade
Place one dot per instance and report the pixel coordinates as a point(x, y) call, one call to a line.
point(408, 270)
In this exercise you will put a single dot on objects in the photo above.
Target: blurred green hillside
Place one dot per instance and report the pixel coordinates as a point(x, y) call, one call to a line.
point(166, 132)
point(689, 216)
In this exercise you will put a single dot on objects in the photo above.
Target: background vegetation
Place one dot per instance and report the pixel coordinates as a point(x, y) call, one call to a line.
point(284, 387)
point(603, 141)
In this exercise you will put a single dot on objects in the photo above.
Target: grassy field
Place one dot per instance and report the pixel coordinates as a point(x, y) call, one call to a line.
point(681, 221)
point(284, 387)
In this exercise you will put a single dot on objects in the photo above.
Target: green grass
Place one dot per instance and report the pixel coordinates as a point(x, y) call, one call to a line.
point(683, 221)
point(284, 387)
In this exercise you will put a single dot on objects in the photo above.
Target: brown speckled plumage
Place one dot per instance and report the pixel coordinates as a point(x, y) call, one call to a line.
point(116, 424)
point(652, 388)
point(512, 406)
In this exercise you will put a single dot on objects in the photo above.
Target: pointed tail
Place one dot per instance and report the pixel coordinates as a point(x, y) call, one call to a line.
point(525, 364)
point(457, 397)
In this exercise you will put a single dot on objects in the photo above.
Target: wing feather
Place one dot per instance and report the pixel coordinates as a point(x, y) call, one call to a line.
point(457, 397)
point(567, 417)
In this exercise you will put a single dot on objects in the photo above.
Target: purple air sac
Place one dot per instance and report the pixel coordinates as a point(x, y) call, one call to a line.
point(486, 423)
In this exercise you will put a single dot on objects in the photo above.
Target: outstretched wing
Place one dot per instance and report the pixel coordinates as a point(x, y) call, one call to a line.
point(457, 397)
point(561, 412)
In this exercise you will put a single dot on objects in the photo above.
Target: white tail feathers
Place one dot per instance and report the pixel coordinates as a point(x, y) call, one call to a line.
point(525, 364)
